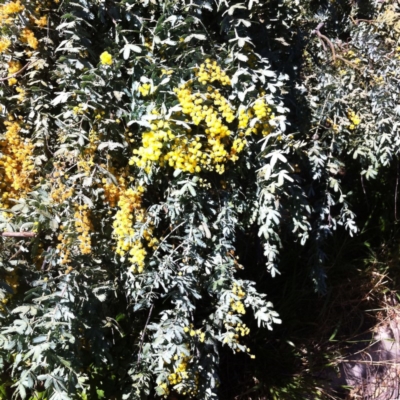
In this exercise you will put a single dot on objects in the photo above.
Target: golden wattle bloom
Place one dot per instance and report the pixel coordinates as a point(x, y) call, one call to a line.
point(28, 37)
point(4, 44)
point(106, 58)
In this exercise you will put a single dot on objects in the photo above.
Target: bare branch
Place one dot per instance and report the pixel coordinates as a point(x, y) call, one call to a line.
point(18, 234)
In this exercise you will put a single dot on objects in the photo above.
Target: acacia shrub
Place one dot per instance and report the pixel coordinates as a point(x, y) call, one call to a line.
point(139, 139)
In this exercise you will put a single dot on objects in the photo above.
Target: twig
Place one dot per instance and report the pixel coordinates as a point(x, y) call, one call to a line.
point(143, 333)
point(348, 62)
point(169, 234)
point(14, 255)
point(332, 47)
point(321, 36)
point(356, 21)
point(16, 73)
point(18, 234)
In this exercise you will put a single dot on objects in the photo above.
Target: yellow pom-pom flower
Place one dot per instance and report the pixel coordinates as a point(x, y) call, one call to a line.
point(106, 58)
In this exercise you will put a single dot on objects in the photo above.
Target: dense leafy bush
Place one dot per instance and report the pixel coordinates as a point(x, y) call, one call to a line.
point(146, 144)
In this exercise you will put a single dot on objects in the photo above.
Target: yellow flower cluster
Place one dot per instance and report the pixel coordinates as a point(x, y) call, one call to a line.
point(86, 158)
point(13, 67)
point(145, 89)
point(148, 43)
point(8, 9)
point(12, 7)
point(238, 146)
point(210, 71)
point(264, 114)
point(349, 54)
point(334, 126)
point(238, 306)
point(152, 145)
point(152, 242)
point(41, 22)
point(12, 280)
point(164, 389)
point(61, 193)
point(180, 373)
point(64, 247)
point(239, 330)
point(4, 44)
point(98, 114)
point(137, 256)
point(171, 143)
point(16, 165)
point(22, 93)
point(379, 80)
point(238, 291)
point(234, 332)
point(106, 58)
point(185, 151)
point(242, 329)
point(28, 37)
point(189, 329)
point(79, 109)
point(244, 118)
point(354, 119)
point(83, 226)
point(130, 211)
point(111, 192)
point(35, 229)
point(201, 108)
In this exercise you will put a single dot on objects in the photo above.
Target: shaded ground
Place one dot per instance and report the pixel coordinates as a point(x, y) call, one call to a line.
point(343, 344)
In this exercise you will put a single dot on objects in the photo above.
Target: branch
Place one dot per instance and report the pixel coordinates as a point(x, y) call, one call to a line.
point(332, 47)
point(18, 234)
point(369, 21)
point(16, 73)
point(321, 36)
